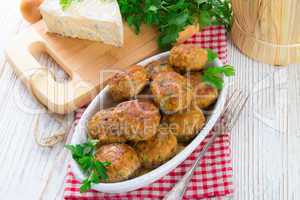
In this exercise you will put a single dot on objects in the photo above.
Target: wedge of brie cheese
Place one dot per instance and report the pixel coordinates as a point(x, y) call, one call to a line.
point(98, 20)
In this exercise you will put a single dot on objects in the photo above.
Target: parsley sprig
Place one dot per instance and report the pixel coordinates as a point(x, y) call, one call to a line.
point(213, 75)
point(83, 154)
point(172, 16)
point(211, 55)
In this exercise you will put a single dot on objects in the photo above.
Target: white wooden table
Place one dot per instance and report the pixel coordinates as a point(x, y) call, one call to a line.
point(265, 142)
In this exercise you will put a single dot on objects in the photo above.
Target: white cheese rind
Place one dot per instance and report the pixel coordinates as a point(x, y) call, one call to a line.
point(98, 20)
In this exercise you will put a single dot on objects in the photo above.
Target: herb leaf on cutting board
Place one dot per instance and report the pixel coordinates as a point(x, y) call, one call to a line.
point(95, 170)
point(172, 16)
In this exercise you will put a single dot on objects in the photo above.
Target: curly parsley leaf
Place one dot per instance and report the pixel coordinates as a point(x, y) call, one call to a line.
point(86, 185)
point(211, 55)
point(83, 154)
point(205, 18)
point(213, 75)
point(172, 16)
point(213, 80)
point(228, 70)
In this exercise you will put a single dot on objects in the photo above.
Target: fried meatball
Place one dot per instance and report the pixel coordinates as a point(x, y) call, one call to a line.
point(127, 84)
point(138, 119)
point(185, 125)
point(156, 67)
point(171, 92)
point(157, 150)
point(188, 57)
point(204, 94)
point(124, 161)
point(104, 126)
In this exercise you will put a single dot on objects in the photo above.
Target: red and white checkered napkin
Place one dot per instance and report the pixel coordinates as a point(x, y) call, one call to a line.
point(212, 178)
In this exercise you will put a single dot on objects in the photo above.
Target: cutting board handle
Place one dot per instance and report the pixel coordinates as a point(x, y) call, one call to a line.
point(58, 97)
point(89, 64)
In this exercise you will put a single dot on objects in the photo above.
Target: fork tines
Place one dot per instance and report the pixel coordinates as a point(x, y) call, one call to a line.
point(233, 108)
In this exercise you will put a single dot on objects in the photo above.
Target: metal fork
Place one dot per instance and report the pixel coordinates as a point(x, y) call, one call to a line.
point(233, 108)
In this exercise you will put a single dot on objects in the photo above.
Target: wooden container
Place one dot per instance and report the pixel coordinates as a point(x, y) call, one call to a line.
point(268, 30)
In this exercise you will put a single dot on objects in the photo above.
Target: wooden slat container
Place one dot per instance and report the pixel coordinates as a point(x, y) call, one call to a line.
point(268, 30)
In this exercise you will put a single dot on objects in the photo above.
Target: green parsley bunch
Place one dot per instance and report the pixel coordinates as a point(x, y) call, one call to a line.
point(172, 16)
point(83, 154)
point(213, 75)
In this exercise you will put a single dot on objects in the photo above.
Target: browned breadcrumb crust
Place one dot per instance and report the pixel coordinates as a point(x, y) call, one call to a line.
point(204, 95)
point(171, 92)
point(188, 57)
point(156, 67)
point(138, 119)
point(127, 84)
point(185, 125)
point(104, 126)
point(157, 150)
point(123, 158)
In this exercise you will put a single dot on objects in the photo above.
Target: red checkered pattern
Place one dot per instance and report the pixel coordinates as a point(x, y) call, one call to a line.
point(212, 178)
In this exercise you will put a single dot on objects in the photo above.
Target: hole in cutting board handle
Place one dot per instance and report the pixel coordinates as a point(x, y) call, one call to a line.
point(59, 92)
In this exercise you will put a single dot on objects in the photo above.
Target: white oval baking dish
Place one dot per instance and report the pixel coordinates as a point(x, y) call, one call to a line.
point(103, 100)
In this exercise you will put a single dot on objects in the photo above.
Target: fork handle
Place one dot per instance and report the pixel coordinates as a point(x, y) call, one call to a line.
point(179, 189)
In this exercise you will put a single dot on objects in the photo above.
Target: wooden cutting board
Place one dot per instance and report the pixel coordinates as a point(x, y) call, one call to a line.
point(89, 64)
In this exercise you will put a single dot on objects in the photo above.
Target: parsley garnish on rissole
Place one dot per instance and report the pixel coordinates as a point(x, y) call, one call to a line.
point(213, 75)
point(172, 16)
point(211, 55)
point(95, 170)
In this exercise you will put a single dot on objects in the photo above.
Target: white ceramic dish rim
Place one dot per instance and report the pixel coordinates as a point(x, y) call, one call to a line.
point(129, 185)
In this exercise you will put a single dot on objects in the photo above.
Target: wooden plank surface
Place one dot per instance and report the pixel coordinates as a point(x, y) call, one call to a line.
point(265, 142)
